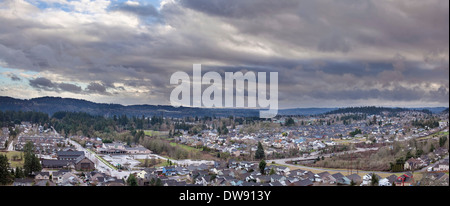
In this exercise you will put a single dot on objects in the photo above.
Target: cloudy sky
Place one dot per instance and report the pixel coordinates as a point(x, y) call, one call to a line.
point(328, 53)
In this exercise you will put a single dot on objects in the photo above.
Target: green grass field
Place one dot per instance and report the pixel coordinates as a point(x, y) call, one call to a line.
point(185, 147)
point(10, 155)
point(151, 133)
point(160, 162)
point(443, 133)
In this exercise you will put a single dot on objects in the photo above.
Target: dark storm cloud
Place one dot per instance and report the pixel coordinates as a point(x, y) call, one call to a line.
point(336, 26)
point(345, 50)
point(98, 88)
point(69, 87)
point(42, 83)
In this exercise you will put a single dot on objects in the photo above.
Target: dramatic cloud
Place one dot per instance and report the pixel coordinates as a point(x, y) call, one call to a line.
point(137, 9)
point(69, 87)
point(327, 53)
point(46, 84)
point(14, 77)
point(96, 88)
point(42, 83)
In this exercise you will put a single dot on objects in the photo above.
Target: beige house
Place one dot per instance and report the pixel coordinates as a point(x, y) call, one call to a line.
point(42, 176)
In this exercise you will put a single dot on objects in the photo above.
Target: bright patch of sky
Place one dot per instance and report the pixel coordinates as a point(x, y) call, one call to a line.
point(64, 4)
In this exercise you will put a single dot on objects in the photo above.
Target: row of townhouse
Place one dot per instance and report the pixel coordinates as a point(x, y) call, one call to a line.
point(69, 178)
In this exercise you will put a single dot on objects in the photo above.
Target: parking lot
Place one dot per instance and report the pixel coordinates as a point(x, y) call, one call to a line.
point(128, 161)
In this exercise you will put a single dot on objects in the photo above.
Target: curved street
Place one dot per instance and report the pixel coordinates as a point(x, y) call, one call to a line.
point(331, 170)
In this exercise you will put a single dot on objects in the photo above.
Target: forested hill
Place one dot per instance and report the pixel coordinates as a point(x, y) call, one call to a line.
point(51, 105)
point(379, 110)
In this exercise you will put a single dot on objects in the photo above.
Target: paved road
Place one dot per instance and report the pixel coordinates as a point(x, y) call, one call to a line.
point(432, 165)
point(284, 162)
point(10, 146)
point(318, 155)
point(100, 166)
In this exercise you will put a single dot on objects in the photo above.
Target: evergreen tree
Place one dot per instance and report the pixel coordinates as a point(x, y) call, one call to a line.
point(374, 181)
point(289, 122)
point(131, 180)
point(32, 163)
point(5, 175)
point(272, 171)
point(18, 173)
point(262, 166)
point(158, 182)
point(152, 182)
point(259, 154)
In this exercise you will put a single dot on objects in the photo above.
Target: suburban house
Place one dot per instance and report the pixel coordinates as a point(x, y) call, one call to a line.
point(391, 179)
point(70, 179)
point(323, 177)
point(143, 173)
point(282, 170)
point(44, 183)
point(55, 164)
point(23, 182)
point(367, 179)
point(67, 160)
point(384, 182)
point(120, 148)
point(405, 180)
point(82, 163)
point(441, 167)
point(263, 179)
point(435, 179)
point(57, 177)
point(42, 176)
point(340, 179)
point(355, 178)
point(112, 148)
point(169, 171)
point(305, 182)
point(308, 175)
point(69, 155)
point(413, 164)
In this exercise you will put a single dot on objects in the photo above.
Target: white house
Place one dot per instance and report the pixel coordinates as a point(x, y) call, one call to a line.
point(384, 182)
point(441, 167)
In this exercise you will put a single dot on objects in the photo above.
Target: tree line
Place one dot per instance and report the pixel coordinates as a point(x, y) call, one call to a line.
point(10, 118)
point(31, 166)
point(370, 110)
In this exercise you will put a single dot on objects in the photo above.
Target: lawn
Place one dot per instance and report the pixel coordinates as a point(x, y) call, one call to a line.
point(444, 133)
point(159, 162)
point(17, 154)
point(185, 147)
point(151, 133)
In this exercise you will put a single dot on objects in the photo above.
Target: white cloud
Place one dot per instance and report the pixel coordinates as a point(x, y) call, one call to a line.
point(341, 47)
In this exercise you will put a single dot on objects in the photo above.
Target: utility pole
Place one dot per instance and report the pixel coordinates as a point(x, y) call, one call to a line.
point(351, 163)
